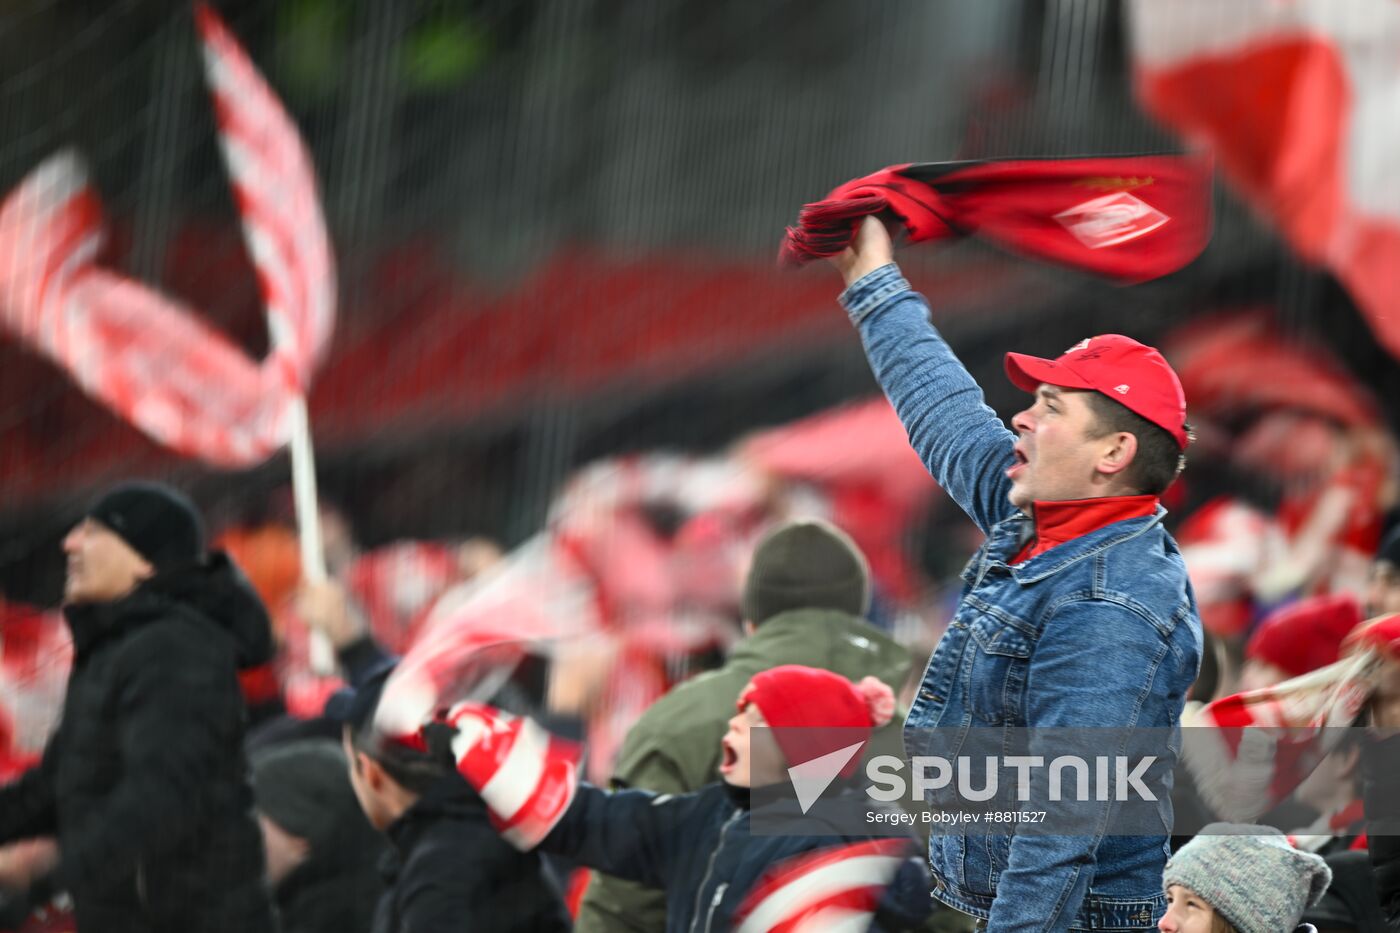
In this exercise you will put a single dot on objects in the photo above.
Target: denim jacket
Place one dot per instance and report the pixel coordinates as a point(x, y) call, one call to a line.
point(1100, 631)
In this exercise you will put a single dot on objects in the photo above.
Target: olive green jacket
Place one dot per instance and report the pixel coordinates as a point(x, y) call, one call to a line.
point(675, 746)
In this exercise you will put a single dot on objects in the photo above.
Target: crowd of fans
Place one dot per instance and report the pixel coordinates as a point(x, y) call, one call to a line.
point(663, 590)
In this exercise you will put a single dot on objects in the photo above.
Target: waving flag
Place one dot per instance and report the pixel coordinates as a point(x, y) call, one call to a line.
point(1299, 100)
point(1250, 751)
point(142, 353)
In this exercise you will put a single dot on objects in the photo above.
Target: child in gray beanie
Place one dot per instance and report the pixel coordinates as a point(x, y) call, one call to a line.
point(1235, 877)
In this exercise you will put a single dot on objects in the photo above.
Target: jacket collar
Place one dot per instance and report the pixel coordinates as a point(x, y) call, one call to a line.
point(447, 799)
point(820, 638)
point(1057, 523)
point(93, 623)
point(1008, 537)
point(212, 590)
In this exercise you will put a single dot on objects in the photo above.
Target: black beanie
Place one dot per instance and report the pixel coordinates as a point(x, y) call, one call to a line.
point(158, 522)
point(304, 787)
point(808, 564)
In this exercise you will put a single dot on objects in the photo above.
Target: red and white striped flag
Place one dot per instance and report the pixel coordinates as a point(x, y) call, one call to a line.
point(478, 631)
point(525, 776)
point(143, 354)
point(1298, 97)
point(832, 890)
point(1249, 752)
point(274, 186)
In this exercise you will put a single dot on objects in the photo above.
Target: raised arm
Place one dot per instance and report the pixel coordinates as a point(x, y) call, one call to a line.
point(959, 438)
point(631, 834)
point(615, 904)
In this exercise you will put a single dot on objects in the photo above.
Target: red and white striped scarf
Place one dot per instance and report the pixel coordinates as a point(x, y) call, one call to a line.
point(830, 890)
point(1259, 746)
point(525, 775)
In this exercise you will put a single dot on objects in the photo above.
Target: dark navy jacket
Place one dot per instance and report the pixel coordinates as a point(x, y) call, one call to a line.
point(699, 848)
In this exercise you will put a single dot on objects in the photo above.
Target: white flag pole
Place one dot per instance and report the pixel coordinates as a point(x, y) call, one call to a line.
point(313, 555)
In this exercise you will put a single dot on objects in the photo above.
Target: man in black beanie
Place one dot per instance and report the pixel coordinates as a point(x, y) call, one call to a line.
point(145, 782)
point(807, 590)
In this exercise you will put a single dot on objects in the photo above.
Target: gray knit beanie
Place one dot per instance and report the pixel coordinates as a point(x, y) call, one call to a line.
point(807, 564)
point(1250, 875)
point(304, 787)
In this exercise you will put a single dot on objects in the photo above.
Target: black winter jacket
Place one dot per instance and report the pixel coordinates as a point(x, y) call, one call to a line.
point(1380, 763)
point(145, 782)
point(699, 849)
point(450, 871)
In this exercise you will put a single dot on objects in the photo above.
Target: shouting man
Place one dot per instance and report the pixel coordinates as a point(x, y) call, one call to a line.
point(1076, 612)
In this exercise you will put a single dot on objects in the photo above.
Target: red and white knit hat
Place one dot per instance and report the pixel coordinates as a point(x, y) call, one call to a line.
point(805, 706)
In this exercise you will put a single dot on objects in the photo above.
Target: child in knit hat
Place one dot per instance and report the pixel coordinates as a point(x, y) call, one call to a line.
point(1236, 878)
point(811, 712)
point(699, 847)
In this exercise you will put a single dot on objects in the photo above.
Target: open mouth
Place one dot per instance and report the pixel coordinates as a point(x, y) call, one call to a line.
point(1021, 460)
point(729, 758)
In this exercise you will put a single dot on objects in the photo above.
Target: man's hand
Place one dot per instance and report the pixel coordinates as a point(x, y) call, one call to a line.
point(871, 249)
point(21, 863)
point(326, 607)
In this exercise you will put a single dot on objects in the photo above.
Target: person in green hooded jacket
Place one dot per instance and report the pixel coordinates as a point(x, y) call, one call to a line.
point(804, 602)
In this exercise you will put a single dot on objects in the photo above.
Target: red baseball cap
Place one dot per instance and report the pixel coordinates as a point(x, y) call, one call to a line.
point(1132, 374)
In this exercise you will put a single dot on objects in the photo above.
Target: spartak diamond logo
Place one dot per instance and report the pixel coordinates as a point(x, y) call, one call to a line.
point(1111, 220)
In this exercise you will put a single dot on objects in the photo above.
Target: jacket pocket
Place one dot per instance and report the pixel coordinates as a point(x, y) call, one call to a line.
point(999, 659)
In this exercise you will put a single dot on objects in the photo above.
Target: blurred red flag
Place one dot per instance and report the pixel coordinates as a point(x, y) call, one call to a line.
point(1234, 363)
point(1130, 218)
point(1298, 100)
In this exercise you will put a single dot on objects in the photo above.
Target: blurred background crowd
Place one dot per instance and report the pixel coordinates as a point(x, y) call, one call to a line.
point(568, 388)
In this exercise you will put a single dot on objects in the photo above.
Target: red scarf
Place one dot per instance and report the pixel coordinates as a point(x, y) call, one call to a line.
point(1131, 218)
point(1059, 522)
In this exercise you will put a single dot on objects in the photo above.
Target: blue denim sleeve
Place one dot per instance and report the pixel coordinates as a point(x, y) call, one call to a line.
point(1074, 682)
point(960, 439)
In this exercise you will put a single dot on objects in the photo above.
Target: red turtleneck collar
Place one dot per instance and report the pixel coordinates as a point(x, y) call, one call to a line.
point(1058, 522)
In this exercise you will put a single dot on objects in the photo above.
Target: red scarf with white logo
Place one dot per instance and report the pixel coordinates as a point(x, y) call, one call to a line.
point(1131, 218)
